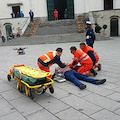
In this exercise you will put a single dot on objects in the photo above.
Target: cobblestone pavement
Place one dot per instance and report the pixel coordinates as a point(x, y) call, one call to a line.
point(68, 102)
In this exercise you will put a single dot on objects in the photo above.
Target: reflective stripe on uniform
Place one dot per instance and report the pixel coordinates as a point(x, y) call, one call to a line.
point(48, 59)
point(84, 59)
point(76, 58)
point(82, 56)
point(54, 53)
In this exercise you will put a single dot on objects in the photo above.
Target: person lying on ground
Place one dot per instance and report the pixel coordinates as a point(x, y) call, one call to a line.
point(75, 76)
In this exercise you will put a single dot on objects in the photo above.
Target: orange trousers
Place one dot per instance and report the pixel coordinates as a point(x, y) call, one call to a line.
point(46, 69)
point(85, 69)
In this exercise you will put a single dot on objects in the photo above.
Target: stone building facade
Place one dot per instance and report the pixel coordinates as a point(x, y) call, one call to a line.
point(44, 9)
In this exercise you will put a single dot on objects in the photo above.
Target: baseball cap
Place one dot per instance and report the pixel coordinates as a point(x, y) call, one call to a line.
point(88, 23)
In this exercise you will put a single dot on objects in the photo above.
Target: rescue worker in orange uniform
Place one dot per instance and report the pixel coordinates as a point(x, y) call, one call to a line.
point(84, 60)
point(92, 53)
point(56, 14)
point(47, 60)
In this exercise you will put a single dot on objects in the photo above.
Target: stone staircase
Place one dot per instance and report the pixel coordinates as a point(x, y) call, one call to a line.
point(57, 27)
point(32, 28)
point(80, 24)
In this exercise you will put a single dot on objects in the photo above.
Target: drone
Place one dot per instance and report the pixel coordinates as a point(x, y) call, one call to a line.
point(20, 51)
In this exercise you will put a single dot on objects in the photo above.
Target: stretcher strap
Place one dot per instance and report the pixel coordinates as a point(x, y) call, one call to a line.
point(16, 66)
point(20, 81)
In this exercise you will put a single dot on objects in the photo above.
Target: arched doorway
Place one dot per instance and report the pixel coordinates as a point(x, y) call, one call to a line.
point(8, 30)
point(60, 5)
point(114, 27)
point(108, 4)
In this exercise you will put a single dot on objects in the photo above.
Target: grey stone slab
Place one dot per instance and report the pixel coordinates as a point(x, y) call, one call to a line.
point(13, 116)
point(115, 96)
point(117, 89)
point(105, 115)
point(109, 79)
point(117, 111)
point(118, 83)
point(103, 102)
point(110, 86)
point(52, 104)
point(98, 89)
point(12, 94)
point(13, 83)
point(72, 89)
point(44, 96)
point(81, 105)
point(1, 81)
point(58, 93)
point(71, 114)
point(25, 106)
point(5, 87)
point(41, 115)
point(0, 96)
point(5, 107)
point(110, 74)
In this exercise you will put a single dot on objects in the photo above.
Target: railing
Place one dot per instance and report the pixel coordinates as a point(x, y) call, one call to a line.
point(25, 25)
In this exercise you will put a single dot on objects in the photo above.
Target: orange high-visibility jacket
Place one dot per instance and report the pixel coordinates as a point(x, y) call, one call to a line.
point(48, 56)
point(87, 48)
point(81, 57)
point(56, 14)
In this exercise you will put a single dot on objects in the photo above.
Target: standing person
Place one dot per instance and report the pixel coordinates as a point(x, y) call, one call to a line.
point(47, 60)
point(56, 14)
point(13, 15)
point(31, 15)
point(18, 15)
point(92, 53)
point(65, 14)
point(90, 36)
point(21, 14)
point(84, 60)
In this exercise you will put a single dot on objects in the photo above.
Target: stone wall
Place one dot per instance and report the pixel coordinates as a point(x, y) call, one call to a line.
point(104, 18)
point(15, 23)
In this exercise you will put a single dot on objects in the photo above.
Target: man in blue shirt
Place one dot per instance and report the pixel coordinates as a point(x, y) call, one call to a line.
point(90, 36)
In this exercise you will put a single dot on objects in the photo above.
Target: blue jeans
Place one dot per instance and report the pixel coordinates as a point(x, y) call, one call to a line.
point(74, 77)
point(65, 16)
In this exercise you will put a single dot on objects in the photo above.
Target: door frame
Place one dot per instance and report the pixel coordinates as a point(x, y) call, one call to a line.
point(50, 10)
point(111, 34)
point(7, 36)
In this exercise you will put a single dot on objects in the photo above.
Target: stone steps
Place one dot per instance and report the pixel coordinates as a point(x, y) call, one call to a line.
point(80, 24)
point(67, 22)
point(32, 28)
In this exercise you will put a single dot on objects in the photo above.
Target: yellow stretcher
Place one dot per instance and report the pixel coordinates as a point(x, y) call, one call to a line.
point(36, 74)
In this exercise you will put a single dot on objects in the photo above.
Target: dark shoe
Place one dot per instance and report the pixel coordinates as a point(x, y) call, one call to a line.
point(99, 67)
point(82, 86)
point(93, 72)
point(98, 82)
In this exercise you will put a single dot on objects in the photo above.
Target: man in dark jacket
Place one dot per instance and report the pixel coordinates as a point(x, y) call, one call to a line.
point(47, 60)
point(31, 15)
point(90, 36)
